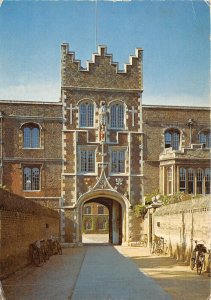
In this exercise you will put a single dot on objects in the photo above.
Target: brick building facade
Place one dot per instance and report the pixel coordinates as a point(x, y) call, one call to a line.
point(100, 144)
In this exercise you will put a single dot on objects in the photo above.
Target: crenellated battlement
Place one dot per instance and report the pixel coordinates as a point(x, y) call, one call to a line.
point(101, 71)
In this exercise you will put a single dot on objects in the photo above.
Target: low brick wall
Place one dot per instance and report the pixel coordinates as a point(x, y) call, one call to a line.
point(181, 222)
point(22, 222)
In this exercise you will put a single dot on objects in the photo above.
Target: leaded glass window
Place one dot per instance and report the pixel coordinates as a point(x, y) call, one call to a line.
point(182, 179)
point(199, 177)
point(86, 112)
point(31, 136)
point(118, 161)
point(172, 139)
point(207, 181)
point(190, 181)
point(205, 139)
point(87, 160)
point(117, 116)
point(31, 180)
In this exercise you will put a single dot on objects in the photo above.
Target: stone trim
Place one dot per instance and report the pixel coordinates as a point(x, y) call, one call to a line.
point(175, 107)
point(113, 90)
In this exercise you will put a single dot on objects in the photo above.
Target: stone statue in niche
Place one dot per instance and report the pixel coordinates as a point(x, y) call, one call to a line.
point(103, 112)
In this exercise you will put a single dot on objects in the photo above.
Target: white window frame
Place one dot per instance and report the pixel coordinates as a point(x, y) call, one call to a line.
point(182, 178)
point(87, 116)
point(169, 180)
point(87, 149)
point(190, 178)
point(118, 118)
point(31, 127)
point(205, 138)
point(118, 150)
point(175, 139)
point(31, 167)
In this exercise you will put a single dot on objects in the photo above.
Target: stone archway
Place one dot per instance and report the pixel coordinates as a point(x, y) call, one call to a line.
point(118, 213)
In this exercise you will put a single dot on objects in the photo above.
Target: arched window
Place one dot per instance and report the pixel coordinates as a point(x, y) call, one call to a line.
point(172, 139)
point(182, 180)
point(199, 177)
point(169, 181)
point(207, 181)
point(87, 210)
point(190, 181)
point(205, 138)
point(86, 112)
point(31, 135)
point(31, 180)
point(117, 116)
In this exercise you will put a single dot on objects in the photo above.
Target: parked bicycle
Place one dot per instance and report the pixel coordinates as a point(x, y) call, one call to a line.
point(36, 254)
point(198, 256)
point(54, 246)
point(159, 246)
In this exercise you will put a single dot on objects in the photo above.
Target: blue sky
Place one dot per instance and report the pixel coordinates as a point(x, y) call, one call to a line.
point(173, 34)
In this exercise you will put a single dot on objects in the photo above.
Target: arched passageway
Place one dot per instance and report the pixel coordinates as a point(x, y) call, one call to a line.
point(117, 209)
point(106, 225)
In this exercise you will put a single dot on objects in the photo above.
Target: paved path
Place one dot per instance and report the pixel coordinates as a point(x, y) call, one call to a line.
point(55, 280)
point(106, 272)
point(108, 275)
point(95, 238)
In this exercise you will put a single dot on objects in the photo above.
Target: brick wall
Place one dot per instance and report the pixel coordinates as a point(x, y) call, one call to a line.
point(181, 222)
point(22, 222)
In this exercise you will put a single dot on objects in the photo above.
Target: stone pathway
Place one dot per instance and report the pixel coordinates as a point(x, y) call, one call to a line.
point(55, 280)
point(107, 275)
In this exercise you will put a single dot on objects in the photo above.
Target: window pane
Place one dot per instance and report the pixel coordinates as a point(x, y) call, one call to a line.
point(190, 181)
point(175, 141)
point(35, 179)
point(35, 138)
point(86, 115)
point(199, 181)
point(167, 140)
point(27, 137)
point(118, 161)
point(202, 138)
point(117, 116)
point(172, 139)
point(87, 161)
point(121, 162)
point(169, 180)
point(83, 115)
point(27, 179)
point(207, 181)
point(90, 109)
point(182, 179)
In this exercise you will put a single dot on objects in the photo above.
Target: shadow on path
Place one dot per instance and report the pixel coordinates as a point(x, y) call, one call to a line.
point(108, 275)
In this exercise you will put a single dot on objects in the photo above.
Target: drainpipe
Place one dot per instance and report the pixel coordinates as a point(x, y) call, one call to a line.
point(190, 124)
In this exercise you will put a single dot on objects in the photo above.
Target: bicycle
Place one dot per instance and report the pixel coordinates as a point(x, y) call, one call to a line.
point(54, 246)
point(198, 256)
point(159, 246)
point(36, 254)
